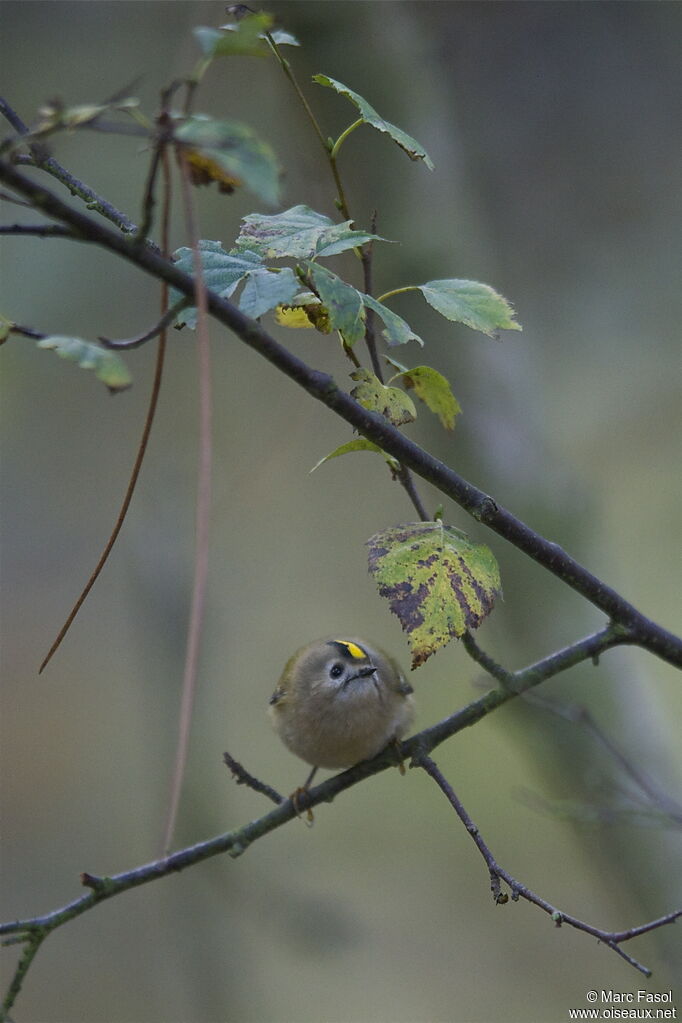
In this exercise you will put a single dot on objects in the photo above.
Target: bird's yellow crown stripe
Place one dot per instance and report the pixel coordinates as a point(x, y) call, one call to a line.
point(353, 649)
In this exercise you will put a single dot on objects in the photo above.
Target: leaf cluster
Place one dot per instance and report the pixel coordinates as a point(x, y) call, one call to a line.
point(283, 263)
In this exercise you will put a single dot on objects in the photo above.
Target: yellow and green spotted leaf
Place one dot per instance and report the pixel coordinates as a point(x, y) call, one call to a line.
point(433, 389)
point(390, 402)
point(438, 583)
point(305, 310)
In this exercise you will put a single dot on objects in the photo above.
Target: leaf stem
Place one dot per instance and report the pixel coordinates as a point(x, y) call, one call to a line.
point(366, 257)
point(158, 328)
point(397, 291)
point(333, 152)
point(287, 69)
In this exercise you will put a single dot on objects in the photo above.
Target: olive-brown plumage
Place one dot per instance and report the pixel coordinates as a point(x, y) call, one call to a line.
point(340, 701)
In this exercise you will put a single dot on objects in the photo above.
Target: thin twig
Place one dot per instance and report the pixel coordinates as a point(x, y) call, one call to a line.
point(366, 256)
point(134, 342)
point(40, 230)
point(518, 890)
point(34, 939)
point(504, 677)
point(660, 799)
point(203, 508)
point(404, 476)
point(141, 451)
point(242, 777)
point(6, 197)
point(35, 335)
point(40, 158)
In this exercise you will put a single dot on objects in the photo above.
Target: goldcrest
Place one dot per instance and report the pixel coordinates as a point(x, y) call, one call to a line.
point(340, 701)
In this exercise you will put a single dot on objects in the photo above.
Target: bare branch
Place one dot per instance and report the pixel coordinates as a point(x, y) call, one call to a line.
point(40, 230)
point(158, 328)
point(497, 874)
point(40, 158)
point(242, 777)
point(36, 929)
point(654, 795)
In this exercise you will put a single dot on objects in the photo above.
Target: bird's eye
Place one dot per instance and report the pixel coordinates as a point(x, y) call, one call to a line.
point(336, 670)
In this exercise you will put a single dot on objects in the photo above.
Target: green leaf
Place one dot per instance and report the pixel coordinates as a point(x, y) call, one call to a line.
point(222, 272)
point(396, 330)
point(433, 389)
point(242, 38)
point(299, 233)
point(369, 115)
point(390, 402)
point(106, 365)
point(236, 149)
point(342, 301)
point(265, 289)
point(359, 444)
point(438, 583)
point(477, 305)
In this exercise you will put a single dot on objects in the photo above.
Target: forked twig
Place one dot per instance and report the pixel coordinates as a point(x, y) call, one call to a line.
point(518, 890)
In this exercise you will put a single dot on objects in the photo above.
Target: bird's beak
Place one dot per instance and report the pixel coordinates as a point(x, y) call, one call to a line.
point(360, 673)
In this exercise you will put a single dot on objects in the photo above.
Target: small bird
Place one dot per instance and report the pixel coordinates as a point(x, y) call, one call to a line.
point(340, 701)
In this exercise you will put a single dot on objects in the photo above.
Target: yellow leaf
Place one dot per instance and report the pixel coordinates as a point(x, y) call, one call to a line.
point(292, 316)
point(203, 170)
point(308, 314)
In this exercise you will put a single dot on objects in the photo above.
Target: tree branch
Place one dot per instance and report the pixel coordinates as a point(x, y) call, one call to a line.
point(39, 230)
point(656, 798)
point(41, 159)
point(35, 929)
point(497, 874)
point(242, 777)
point(638, 628)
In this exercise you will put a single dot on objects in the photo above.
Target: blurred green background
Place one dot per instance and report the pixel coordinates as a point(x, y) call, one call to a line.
point(555, 133)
